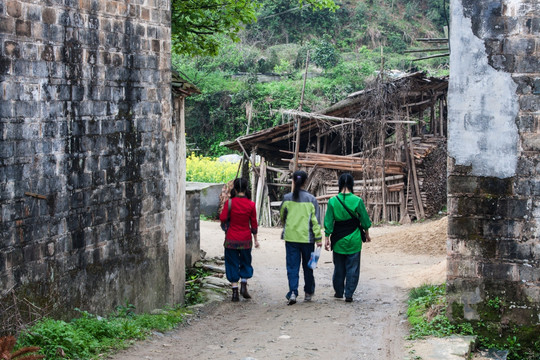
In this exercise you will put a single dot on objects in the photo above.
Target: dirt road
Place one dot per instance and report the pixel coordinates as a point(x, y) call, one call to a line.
point(372, 327)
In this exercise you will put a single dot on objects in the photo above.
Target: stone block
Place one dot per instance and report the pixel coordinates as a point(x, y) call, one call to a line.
point(529, 273)
point(48, 15)
point(533, 24)
point(528, 64)
point(530, 142)
point(7, 25)
point(462, 184)
point(12, 49)
point(33, 13)
point(530, 103)
point(499, 272)
point(519, 46)
point(506, 62)
point(463, 227)
point(14, 9)
point(23, 28)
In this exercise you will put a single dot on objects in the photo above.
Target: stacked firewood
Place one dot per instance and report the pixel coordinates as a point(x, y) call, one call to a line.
point(430, 159)
point(348, 163)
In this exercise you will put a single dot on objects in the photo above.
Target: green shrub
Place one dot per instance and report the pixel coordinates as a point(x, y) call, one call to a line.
point(89, 336)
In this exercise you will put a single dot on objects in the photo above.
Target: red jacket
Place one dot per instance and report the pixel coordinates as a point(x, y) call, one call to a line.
point(243, 222)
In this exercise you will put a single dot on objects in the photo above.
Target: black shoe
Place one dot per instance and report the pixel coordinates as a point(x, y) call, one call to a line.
point(243, 290)
point(338, 296)
point(348, 299)
point(235, 296)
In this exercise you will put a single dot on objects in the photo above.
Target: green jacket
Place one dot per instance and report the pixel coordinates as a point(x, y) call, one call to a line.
point(351, 243)
point(300, 218)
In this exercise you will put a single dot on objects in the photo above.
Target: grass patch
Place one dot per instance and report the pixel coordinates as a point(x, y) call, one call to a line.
point(91, 336)
point(426, 313)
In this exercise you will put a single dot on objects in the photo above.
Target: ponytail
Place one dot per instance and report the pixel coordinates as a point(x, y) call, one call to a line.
point(299, 178)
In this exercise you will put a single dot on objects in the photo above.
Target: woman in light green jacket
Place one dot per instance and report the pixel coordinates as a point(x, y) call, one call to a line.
point(301, 231)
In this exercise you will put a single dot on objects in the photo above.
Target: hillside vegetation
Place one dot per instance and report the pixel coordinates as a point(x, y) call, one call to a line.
point(345, 48)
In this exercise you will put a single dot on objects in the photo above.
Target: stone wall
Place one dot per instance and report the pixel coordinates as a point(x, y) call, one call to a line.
point(193, 227)
point(90, 174)
point(494, 163)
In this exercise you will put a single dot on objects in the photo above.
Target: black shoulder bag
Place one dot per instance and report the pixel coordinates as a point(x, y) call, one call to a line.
point(362, 231)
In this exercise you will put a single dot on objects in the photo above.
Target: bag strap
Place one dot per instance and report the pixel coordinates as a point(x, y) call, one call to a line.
point(229, 211)
point(346, 208)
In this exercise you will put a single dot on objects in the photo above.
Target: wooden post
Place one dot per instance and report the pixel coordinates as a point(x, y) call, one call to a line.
point(383, 174)
point(247, 155)
point(441, 116)
point(249, 114)
point(298, 118)
point(410, 185)
point(253, 174)
point(414, 178)
point(260, 189)
point(382, 64)
point(305, 79)
point(297, 145)
point(433, 120)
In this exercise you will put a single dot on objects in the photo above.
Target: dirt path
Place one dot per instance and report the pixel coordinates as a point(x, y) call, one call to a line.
point(372, 327)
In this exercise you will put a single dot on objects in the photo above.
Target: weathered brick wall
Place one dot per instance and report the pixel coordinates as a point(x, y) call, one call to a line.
point(494, 162)
point(85, 126)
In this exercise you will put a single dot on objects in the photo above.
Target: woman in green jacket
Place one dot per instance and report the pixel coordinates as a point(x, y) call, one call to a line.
point(344, 214)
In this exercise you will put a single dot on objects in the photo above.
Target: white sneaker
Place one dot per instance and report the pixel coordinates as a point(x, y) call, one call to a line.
point(292, 299)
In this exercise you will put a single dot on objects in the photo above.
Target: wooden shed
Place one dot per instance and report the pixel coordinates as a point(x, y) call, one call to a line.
point(391, 137)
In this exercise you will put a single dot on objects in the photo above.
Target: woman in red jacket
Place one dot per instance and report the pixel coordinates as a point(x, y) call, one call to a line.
point(242, 218)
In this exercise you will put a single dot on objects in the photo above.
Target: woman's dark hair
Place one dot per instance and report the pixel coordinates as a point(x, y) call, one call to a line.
point(240, 185)
point(299, 178)
point(346, 181)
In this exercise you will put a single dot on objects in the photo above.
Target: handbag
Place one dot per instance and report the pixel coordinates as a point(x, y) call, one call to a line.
point(225, 225)
point(362, 231)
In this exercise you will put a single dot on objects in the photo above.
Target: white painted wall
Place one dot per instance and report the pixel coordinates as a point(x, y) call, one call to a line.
point(483, 105)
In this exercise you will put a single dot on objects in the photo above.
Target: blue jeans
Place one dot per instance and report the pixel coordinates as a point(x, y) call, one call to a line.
point(346, 273)
point(296, 253)
point(238, 264)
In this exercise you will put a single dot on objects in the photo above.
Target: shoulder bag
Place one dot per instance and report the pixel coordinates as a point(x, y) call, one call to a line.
point(362, 231)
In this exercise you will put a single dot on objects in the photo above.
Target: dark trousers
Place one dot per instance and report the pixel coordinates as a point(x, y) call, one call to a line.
point(297, 253)
point(238, 264)
point(346, 273)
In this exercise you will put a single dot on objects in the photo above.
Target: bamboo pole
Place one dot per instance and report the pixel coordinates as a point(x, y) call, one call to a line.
point(299, 119)
point(260, 189)
point(249, 113)
point(253, 174)
point(247, 155)
point(383, 181)
point(415, 178)
point(441, 116)
point(410, 187)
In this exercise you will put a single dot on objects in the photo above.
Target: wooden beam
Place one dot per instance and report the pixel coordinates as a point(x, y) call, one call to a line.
point(247, 156)
point(432, 57)
point(424, 50)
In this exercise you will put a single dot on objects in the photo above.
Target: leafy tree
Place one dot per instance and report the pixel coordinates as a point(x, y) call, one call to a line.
point(325, 54)
point(198, 24)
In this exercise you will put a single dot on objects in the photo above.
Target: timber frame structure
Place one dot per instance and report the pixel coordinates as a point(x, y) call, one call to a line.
point(391, 137)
